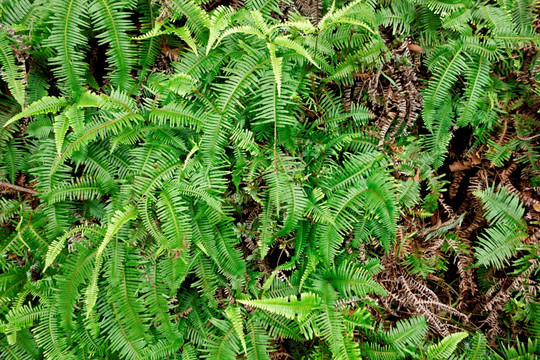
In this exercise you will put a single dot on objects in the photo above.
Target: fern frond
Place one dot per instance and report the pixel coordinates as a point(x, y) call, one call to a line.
point(351, 280)
point(444, 349)
point(225, 346)
point(440, 135)
point(291, 44)
point(67, 38)
point(234, 313)
point(522, 16)
point(408, 331)
point(111, 20)
point(118, 220)
point(353, 169)
point(291, 308)
point(478, 81)
point(12, 74)
point(277, 66)
point(229, 258)
point(442, 81)
point(45, 105)
point(501, 206)
point(498, 244)
point(124, 280)
point(198, 20)
point(258, 341)
point(177, 115)
point(458, 20)
point(478, 347)
point(172, 213)
point(379, 352)
point(84, 188)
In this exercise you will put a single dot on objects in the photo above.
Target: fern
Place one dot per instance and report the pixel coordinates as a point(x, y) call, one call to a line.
point(409, 331)
point(68, 40)
point(445, 348)
point(120, 218)
point(440, 135)
point(498, 244)
point(12, 75)
point(112, 21)
point(450, 68)
point(477, 81)
point(501, 207)
point(291, 308)
point(194, 179)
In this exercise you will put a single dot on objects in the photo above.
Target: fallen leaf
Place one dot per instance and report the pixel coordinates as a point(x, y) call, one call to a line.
point(416, 48)
point(458, 165)
point(417, 176)
point(475, 158)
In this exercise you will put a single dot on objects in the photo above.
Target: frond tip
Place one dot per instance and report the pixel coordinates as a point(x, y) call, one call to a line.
point(291, 307)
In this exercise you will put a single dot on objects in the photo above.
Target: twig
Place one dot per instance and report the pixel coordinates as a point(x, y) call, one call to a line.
point(18, 188)
point(527, 138)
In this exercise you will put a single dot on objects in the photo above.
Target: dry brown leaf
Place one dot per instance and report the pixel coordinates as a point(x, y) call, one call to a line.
point(458, 165)
point(416, 48)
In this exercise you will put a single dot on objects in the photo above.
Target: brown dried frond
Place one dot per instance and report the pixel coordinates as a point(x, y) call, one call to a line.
point(500, 293)
point(479, 182)
point(505, 136)
point(528, 200)
point(165, 12)
point(341, 304)
point(533, 239)
point(464, 260)
point(445, 206)
point(456, 183)
point(250, 244)
point(392, 93)
point(251, 211)
point(310, 8)
point(527, 74)
point(347, 98)
point(477, 222)
point(280, 353)
point(236, 4)
point(465, 204)
point(413, 297)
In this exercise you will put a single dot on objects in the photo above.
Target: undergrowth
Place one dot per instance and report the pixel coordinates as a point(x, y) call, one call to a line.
point(188, 179)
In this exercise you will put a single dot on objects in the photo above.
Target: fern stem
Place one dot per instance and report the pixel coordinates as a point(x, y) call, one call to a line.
point(17, 188)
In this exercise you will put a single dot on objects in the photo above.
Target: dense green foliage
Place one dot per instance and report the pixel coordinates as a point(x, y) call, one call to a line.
point(189, 180)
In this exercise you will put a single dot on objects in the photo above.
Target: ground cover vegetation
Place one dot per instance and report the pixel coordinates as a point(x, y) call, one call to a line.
point(267, 179)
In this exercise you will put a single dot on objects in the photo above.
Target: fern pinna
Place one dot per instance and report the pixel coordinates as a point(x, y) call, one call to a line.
point(188, 179)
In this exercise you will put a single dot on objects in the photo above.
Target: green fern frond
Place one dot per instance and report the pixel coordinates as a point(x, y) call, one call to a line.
point(379, 352)
point(478, 347)
point(440, 135)
point(409, 331)
point(175, 225)
point(351, 280)
point(198, 20)
point(111, 20)
point(83, 189)
point(498, 244)
point(438, 89)
point(67, 38)
point(234, 314)
point(501, 207)
point(291, 308)
point(11, 73)
point(45, 105)
point(117, 221)
point(478, 81)
point(444, 349)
